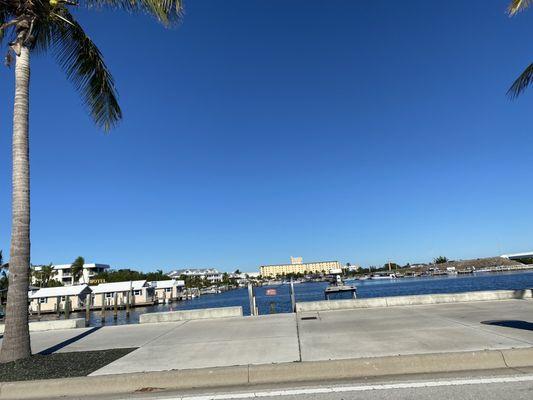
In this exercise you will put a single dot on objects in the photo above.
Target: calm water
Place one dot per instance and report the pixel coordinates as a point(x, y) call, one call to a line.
point(315, 291)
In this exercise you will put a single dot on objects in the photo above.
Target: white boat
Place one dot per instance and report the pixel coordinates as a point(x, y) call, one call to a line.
point(380, 277)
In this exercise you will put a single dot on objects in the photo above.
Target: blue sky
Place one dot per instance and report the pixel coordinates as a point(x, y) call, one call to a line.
point(256, 130)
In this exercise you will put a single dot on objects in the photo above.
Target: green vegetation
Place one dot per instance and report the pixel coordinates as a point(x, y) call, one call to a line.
point(122, 275)
point(44, 277)
point(76, 269)
point(440, 260)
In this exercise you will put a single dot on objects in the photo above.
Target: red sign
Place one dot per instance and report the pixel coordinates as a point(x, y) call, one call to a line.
point(271, 292)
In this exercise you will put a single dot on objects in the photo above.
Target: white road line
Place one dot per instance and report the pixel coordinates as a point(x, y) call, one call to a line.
point(362, 388)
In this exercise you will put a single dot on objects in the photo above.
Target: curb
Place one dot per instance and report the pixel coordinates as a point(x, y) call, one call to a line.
point(248, 375)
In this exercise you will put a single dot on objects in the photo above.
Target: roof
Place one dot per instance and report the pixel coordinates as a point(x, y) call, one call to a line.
point(86, 265)
point(193, 271)
point(118, 286)
point(59, 291)
point(167, 284)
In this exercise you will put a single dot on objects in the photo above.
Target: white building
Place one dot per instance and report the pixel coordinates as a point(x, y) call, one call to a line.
point(211, 274)
point(63, 273)
point(140, 293)
point(167, 290)
point(49, 299)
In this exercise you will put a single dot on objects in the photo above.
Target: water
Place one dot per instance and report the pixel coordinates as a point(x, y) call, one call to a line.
point(281, 303)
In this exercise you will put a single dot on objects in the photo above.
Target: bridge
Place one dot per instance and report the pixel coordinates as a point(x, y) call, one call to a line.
point(518, 256)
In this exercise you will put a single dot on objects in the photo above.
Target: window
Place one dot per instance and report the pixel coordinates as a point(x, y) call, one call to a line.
point(43, 300)
point(63, 298)
point(109, 295)
point(168, 290)
point(137, 292)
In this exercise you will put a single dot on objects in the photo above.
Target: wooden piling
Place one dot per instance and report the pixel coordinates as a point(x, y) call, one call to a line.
point(88, 309)
point(103, 308)
point(115, 306)
point(128, 299)
point(67, 307)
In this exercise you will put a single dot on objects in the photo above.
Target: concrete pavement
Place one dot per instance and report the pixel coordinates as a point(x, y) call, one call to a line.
point(313, 336)
point(284, 348)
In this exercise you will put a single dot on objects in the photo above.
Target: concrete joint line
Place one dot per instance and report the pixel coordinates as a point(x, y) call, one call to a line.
point(163, 334)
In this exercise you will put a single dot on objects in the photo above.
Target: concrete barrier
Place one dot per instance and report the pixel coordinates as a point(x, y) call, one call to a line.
point(52, 325)
point(327, 305)
point(249, 375)
point(205, 313)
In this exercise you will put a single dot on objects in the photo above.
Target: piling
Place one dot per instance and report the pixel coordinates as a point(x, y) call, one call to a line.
point(128, 299)
point(252, 299)
point(67, 307)
point(88, 309)
point(58, 307)
point(38, 310)
point(293, 298)
point(115, 306)
point(103, 308)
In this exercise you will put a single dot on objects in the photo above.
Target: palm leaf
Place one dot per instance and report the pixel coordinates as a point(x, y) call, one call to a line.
point(84, 66)
point(518, 5)
point(166, 11)
point(524, 80)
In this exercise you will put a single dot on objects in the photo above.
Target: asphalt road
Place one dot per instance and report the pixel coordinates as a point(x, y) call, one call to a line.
point(485, 385)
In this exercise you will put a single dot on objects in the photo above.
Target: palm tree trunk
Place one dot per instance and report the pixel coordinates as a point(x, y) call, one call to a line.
point(16, 342)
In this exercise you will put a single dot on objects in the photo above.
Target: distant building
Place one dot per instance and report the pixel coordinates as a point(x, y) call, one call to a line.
point(298, 267)
point(63, 273)
point(211, 274)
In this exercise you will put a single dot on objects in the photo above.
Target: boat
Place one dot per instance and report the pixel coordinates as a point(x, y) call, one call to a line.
point(338, 286)
point(379, 277)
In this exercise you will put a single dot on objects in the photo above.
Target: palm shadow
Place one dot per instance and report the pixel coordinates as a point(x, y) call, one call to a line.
point(516, 324)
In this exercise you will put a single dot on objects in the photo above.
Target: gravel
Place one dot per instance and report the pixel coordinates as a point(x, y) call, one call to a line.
point(59, 365)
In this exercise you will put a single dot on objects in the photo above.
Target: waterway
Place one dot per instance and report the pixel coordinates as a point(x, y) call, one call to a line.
point(312, 291)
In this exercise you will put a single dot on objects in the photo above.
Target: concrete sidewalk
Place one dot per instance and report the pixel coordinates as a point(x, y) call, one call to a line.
point(313, 336)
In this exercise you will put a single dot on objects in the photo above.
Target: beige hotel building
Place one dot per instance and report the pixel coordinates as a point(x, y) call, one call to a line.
point(297, 266)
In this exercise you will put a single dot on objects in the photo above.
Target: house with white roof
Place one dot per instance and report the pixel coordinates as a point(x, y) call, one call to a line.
point(63, 273)
point(167, 290)
point(140, 293)
point(211, 274)
point(48, 299)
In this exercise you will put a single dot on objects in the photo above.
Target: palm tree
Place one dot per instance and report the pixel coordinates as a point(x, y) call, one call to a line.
point(48, 26)
point(47, 273)
point(76, 269)
point(526, 77)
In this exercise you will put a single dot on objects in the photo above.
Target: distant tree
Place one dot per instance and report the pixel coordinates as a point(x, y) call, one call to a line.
point(44, 276)
point(76, 269)
point(237, 272)
point(440, 260)
point(158, 275)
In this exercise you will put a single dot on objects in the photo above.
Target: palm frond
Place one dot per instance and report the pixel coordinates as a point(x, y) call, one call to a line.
point(3, 20)
point(522, 82)
point(85, 68)
point(166, 11)
point(518, 5)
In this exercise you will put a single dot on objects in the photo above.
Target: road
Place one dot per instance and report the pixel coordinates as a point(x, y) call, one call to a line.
point(485, 385)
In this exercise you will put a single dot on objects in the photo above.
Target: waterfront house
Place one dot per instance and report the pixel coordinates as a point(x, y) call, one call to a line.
point(210, 274)
point(167, 290)
point(141, 293)
point(48, 299)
